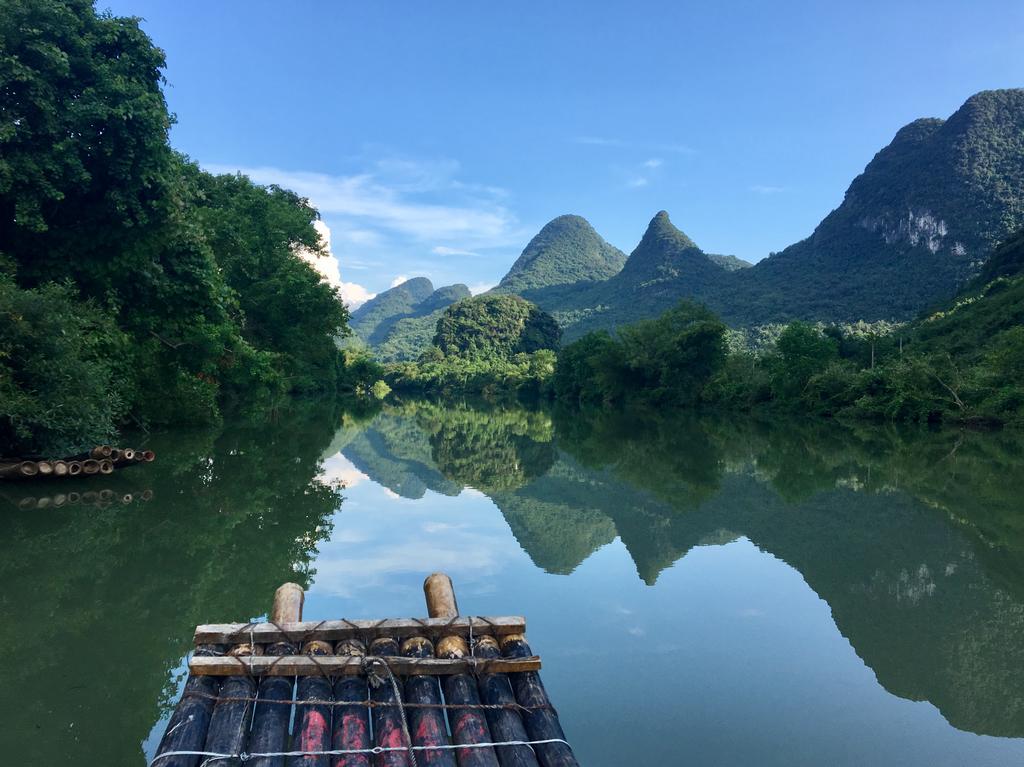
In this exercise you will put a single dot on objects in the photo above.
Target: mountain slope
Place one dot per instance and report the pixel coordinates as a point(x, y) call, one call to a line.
point(666, 266)
point(914, 226)
point(375, 320)
point(567, 250)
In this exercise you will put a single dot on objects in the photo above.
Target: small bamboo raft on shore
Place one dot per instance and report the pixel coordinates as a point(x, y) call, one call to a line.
point(102, 459)
point(444, 690)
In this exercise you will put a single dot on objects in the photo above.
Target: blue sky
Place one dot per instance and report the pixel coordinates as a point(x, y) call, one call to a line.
point(438, 137)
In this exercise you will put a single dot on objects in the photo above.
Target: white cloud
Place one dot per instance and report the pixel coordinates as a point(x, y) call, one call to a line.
point(399, 280)
point(353, 294)
point(654, 162)
point(480, 287)
point(338, 468)
point(766, 189)
point(637, 182)
point(443, 250)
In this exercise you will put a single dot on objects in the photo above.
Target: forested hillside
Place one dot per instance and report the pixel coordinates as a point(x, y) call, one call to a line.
point(133, 285)
point(912, 229)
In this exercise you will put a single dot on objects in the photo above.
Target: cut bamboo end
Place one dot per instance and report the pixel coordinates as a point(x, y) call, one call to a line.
point(350, 647)
point(288, 601)
point(486, 646)
point(452, 646)
point(74, 468)
point(148, 456)
point(245, 650)
point(418, 647)
point(317, 647)
point(28, 468)
point(60, 468)
point(106, 466)
point(45, 468)
point(128, 454)
point(101, 451)
point(440, 594)
point(90, 466)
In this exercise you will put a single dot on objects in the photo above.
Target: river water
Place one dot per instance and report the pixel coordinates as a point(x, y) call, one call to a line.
point(705, 591)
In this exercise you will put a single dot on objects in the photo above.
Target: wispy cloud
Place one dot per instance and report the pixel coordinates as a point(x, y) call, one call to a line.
point(389, 206)
point(480, 287)
point(394, 210)
point(670, 147)
point(444, 250)
point(637, 182)
point(766, 189)
point(398, 280)
point(654, 162)
point(599, 141)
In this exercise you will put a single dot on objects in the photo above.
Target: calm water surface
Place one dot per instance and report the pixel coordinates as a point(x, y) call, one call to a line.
point(702, 591)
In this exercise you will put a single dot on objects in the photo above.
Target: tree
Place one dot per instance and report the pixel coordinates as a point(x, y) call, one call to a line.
point(803, 351)
point(495, 326)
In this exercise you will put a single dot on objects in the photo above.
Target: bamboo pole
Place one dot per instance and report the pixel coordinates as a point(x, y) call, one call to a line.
point(468, 725)
point(351, 725)
point(427, 725)
point(60, 468)
point(90, 466)
point(74, 468)
point(232, 714)
point(45, 468)
point(387, 717)
point(186, 730)
point(539, 718)
point(274, 707)
point(313, 722)
point(505, 723)
point(106, 466)
point(17, 469)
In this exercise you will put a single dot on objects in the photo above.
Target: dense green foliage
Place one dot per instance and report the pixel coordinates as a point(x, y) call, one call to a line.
point(669, 359)
point(962, 363)
point(491, 345)
point(59, 375)
point(488, 326)
point(187, 286)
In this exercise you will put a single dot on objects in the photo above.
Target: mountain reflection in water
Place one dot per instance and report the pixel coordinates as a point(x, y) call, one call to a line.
point(913, 538)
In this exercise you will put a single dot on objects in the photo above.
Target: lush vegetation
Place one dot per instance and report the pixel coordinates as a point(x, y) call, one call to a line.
point(964, 362)
point(492, 345)
point(910, 231)
point(134, 286)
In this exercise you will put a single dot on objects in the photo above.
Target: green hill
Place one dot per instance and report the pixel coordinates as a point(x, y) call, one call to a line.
point(917, 225)
point(914, 226)
point(375, 321)
point(566, 251)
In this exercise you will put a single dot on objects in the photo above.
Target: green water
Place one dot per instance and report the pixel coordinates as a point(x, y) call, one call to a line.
point(711, 591)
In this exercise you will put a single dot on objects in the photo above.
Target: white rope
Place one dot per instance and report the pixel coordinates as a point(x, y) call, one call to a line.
point(244, 757)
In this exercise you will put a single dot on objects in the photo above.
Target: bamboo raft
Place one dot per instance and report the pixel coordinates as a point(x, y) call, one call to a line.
point(444, 690)
point(102, 459)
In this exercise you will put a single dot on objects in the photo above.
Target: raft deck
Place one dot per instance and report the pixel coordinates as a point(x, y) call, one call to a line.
point(444, 690)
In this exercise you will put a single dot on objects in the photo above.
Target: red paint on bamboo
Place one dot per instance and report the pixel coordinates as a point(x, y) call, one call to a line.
point(315, 732)
point(354, 734)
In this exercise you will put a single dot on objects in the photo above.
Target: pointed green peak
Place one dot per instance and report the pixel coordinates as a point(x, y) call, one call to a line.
point(661, 231)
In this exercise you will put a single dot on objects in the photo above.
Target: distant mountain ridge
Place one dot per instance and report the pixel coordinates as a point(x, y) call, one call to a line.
point(917, 224)
point(413, 299)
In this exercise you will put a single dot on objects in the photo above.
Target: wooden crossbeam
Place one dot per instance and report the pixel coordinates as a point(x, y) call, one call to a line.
point(332, 631)
point(346, 665)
